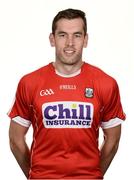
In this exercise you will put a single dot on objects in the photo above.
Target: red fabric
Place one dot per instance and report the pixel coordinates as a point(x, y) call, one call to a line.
point(70, 151)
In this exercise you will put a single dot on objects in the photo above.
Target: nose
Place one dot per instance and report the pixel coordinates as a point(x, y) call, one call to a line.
point(70, 41)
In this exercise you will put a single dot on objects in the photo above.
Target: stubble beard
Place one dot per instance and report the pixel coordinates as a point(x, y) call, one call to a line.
point(69, 60)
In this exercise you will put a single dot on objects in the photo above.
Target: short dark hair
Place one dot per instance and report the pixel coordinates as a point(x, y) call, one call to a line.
point(69, 14)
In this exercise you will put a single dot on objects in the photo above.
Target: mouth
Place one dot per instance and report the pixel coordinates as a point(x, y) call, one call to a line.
point(69, 52)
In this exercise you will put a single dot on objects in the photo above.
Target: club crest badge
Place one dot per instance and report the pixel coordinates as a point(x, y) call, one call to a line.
point(89, 92)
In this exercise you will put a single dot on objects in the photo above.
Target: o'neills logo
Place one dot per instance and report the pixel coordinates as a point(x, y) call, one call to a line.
point(67, 114)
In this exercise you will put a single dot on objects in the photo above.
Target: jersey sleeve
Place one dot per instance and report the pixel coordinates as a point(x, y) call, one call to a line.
point(20, 111)
point(112, 113)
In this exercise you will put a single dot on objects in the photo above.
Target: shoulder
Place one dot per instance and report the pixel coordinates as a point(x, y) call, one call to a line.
point(30, 82)
point(100, 77)
point(35, 77)
point(105, 86)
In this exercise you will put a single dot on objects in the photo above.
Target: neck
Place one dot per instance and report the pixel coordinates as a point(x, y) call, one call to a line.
point(67, 69)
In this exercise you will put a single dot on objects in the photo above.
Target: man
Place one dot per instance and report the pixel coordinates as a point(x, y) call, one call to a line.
point(66, 102)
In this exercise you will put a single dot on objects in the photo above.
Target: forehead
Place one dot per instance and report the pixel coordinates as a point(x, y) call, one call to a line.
point(70, 25)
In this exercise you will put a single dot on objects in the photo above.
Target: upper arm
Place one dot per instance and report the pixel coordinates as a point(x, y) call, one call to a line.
point(20, 112)
point(112, 111)
point(16, 131)
point(113, 134)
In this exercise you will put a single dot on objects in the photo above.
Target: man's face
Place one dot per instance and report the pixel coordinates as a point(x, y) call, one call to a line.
point(69, 40)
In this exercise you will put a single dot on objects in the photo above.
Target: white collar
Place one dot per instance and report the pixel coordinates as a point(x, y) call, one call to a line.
point(68, 75)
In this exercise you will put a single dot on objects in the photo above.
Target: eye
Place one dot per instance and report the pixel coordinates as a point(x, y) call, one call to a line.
point(77, 35)
point(62, 35)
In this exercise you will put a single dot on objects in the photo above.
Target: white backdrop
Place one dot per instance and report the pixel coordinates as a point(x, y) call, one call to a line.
point(24, 46)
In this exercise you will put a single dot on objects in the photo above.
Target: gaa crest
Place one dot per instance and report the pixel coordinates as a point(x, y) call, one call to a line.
point(89, 92)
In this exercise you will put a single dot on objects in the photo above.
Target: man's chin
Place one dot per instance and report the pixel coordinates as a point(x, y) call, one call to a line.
point(70, 62)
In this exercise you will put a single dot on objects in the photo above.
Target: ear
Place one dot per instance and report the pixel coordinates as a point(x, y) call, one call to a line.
point(52, 40)
point(86, 41)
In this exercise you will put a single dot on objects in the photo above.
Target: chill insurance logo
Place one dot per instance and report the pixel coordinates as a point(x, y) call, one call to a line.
point(67, 114)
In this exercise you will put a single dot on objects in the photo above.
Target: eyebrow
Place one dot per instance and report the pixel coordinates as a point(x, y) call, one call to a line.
point(63, 32)
point(78, 33)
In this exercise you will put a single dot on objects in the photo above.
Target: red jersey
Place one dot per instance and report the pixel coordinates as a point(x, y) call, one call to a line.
point(66, 113)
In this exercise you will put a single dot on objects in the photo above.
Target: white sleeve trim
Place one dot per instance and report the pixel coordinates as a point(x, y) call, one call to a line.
point(111, 123)
point(22, 121)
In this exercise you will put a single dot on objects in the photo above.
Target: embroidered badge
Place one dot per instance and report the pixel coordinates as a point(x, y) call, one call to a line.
point(89, 92)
